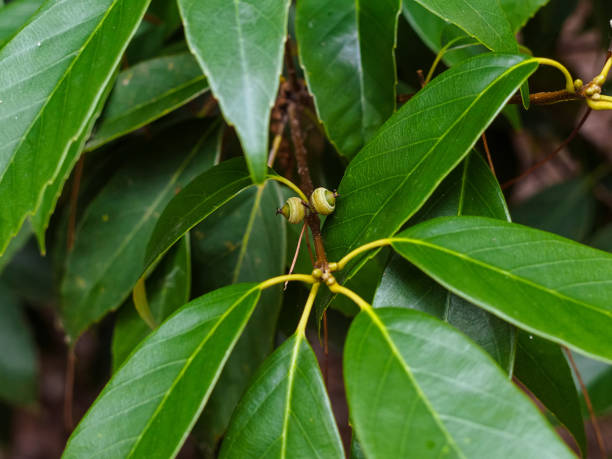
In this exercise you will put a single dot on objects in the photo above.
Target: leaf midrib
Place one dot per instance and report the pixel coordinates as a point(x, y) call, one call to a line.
point(502, 272)
point(292, 369)
point(377, 322)
point(188, 362)
point(56, 88)
point(429, 152)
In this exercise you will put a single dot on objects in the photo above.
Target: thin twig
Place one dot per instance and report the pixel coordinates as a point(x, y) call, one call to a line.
point(74, 200)
point(294, 112)
point(297, 252)
point(543, 161)
point(587, 400)
point(537, 98)
point(488, 153)
point(547, 98)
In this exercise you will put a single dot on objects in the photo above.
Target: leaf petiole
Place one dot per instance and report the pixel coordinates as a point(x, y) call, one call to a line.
point(307, 278)
point(288, 183)
point(301, 328)
point(359, 250)
point(569, 81)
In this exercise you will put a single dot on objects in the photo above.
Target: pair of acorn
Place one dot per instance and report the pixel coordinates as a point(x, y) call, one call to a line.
point(322, 201)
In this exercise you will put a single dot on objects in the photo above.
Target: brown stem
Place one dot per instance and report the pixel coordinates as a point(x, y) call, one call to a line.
point(538, 98)
point(488, 153)
point(587, 401)
point(74, 199)
point(543, 161)
point(294, 112)
point(547, 98)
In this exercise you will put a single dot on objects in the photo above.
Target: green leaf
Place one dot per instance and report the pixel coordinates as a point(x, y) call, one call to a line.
point(285, 412)
point(243, 241)
point(418, 388)
point(51, 194)
point(239, 44)
point(395, 173)
point(566, 209)
point(482, 19)
point(168, 289)
point(149, 406)
point(348, 57)
point(111, 240)
point(205, 194)
point(18, 359)
point(15, 246)
point(436, 32)
point(52, 76)
point(522, 275)
point(470, 189)
point(147, 92)
point(14, 15)
point(543, 369)
point(519, 12)
point(356, 450)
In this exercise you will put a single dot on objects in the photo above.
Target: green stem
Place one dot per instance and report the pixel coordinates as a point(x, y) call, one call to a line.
point(301, 328)
point(289, 183)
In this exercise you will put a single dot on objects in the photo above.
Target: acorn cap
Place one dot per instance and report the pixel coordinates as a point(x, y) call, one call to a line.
point(293, 210)
point(323, 201)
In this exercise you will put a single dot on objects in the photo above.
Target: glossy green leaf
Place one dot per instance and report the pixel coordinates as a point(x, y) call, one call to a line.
point(146, 92)
point(348, 57)
point(356, 450)
point(434, 31)
point(525, 276)
point(18, 356)
point(243, 241)
point(40, 220)
point(111, 239)
point(471, 189)
point(543, 369)
point(15, 246)
point(566, 209)
point(168, 289)
point(482, 19)
point(205, 194)
point(149, 406)
point(14, 15)
point(285, 412)
point(395, 173)
point(519, 12)
point(52, 76)
point(418, 388)
point(239, 44)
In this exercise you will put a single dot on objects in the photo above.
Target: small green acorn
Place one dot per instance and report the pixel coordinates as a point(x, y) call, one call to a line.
point(323, 201)
point(293, 210)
